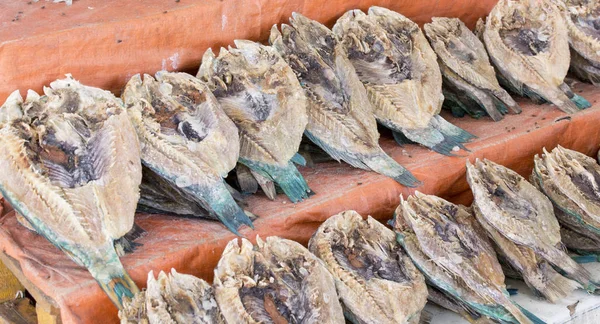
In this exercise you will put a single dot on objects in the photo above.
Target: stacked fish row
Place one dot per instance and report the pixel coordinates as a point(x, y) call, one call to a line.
point(64, 153)
point(453, 255)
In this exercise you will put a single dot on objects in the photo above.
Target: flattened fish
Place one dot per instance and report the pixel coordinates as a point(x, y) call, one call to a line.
point(582, 18)
point(450, 236)
point(376, 281)
point(522, 214)
point(398, 68)
point(173, 298)
point(187, 140)
point(528, 43)
point(537, 273)
point(70, 166)
point(262, 96)
point(340, 118)
point(572, 182)
point(277, 281)
point(466, 68)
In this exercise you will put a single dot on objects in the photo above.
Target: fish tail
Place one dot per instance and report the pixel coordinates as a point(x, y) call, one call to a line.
point(503, 98)
point(572, 269)
point(384, 164)
point(588, 258)
point(118, 284)
point(580, 101)
point(225, 207)
point(529, 316)
point(288, 178)
point(127, 244)
point(553, 285)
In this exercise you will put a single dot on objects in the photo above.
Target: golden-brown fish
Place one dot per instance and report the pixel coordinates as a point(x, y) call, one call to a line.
point(466, 67)
point(396, 64)
point(276, 281)
point(341, 120)
point(173, 298)
point(63, 157)
point(376, 281)
point(528, 43)
point(262, 96)
point(450, 237)
point(522, 214)
point(188, 141)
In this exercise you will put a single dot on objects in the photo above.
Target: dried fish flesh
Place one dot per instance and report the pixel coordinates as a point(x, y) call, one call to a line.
point(528, 44)
point(340, 118)
point(376, 281)
point(522, 214)
point(452, 250)
point(262, 96)
point(582, 18)
point(572, 182)
point(173, 298)
point(187, 140)
point(466, 68)
point(399, 70)
point(62, 160)
point(537, 273)
point(277, 281)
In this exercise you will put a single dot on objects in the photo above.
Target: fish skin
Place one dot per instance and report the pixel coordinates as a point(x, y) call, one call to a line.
point(188, 141)
point(464, 61)
point(387, 289)
point(457, 257)
point(398, 68)
point(262, 96)
point(522, 214)
point(536, 70)
point(63, 157)
point(340, 119)
point(275, 281)
point(173, 298)
point(571, 180)
point(584, 39)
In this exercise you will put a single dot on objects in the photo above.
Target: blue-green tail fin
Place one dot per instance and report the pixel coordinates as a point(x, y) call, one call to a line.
point(440, 136)
point(384, 164)
point(530, 315)
point(117, 284)
point(580, 101)
point(288, 178)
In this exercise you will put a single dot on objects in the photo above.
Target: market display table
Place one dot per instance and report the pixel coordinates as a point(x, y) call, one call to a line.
point(194, 246)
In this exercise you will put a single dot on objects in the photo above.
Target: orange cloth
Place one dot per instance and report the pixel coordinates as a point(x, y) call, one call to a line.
point(86, 45)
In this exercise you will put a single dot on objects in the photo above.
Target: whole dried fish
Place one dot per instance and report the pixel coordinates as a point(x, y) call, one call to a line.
point(262, 96)
point(173, 298)
point(522, 214)
point(340, 118)
point(398, 68)
point(537, 273)
point(187, 140)
point(466, 67)
point(582, 18)
point(572, 182)
point(452, 250)
point(277, 281)
point(528, 44)
point(376, 281)
point(63, 157)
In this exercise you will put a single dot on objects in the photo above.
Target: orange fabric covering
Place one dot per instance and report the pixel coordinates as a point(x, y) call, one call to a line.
point(104, 43)
point(85, 42)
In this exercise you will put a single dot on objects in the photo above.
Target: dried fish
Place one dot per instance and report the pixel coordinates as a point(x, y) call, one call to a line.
point(521, 214)
point(572, 182)
point(528, 44)
point(62, 160)
point(376, 280)
point(173, 298)
point(582, 19)
point(452, 250)
point(341, 121)
point(276, 281)
point(466, 68)
point(399, 70)
point(262, 96)
point(537, 273)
